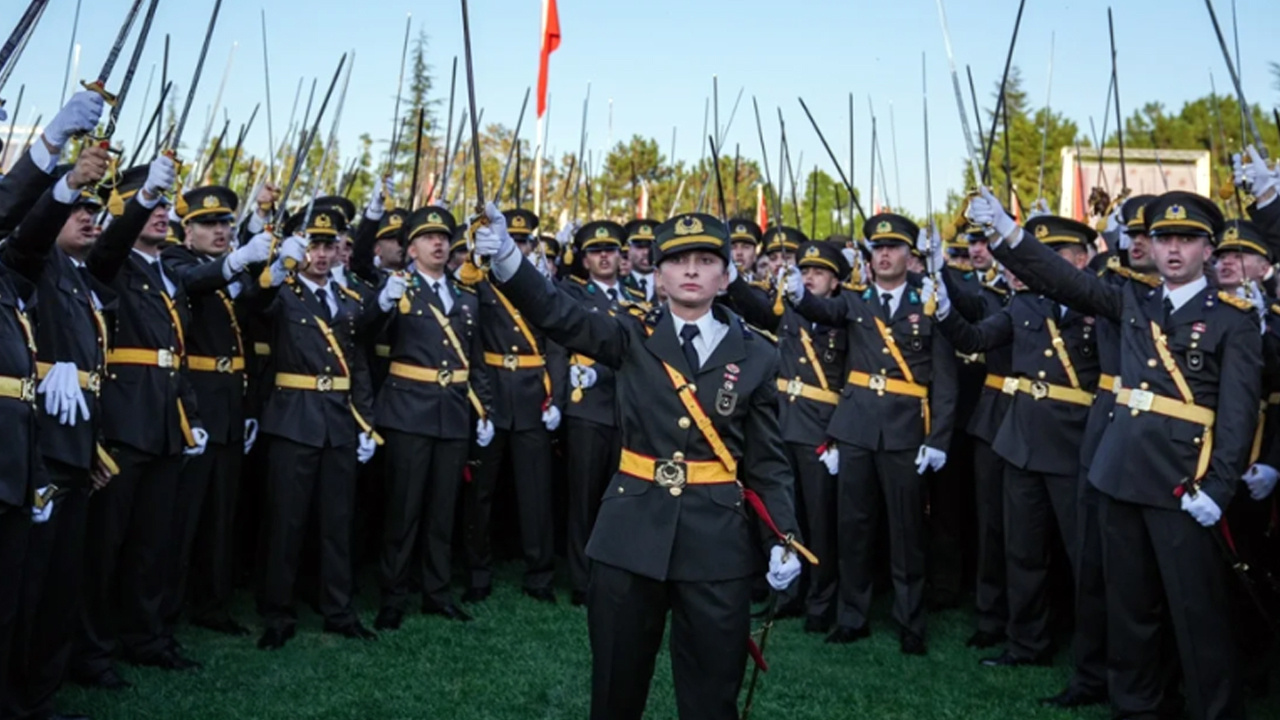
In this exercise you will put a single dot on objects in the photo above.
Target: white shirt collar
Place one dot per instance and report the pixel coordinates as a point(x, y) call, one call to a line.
point(1182, 295)
point(430, 280)
point(311, 285)
point(896, 293)
point(339, 275)
point(607, 286)
point(151, 259)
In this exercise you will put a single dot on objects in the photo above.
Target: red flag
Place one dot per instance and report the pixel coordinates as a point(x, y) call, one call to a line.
point(1017, 207)
point(550, 41)
point(762, 211)
point(1077, 197)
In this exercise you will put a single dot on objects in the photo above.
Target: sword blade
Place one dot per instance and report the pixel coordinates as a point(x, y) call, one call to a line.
point(130, 71)
point(471, 99)
point(955, 84)
point(118, 45)
point(176, 137)
point(1235, 80)
point(515, 142)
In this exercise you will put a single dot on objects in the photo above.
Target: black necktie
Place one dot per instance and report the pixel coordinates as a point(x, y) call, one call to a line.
point(687, 334)
point(885, 299)
point(436, 299)
point(644, 286)
point(613, 294)
point(1168, 310)
point(157, 276)
point(325, 314)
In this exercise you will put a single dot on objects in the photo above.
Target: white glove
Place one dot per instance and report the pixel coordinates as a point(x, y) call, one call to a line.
point(1237, 172)
point(63, 397)
point(1123, 241)
point(831, 458)
point(1039, 208)
point(202, 439)
point(1262, 180)
point(493, 240)
point(551, 418)
point(565, 236)
point(1253, 292)
point(791, 279)
point(79, 115)
point(985, 210)
point(939, 291)
point(160, 176)
point(250, 434)
point(931, 248)
point(784, 568)
point(733, 272)
point(581, 376)
point(850, 256)
point(364, 451)
point(484, 432)
point(378, 199)
point(258, 249)
point(1261, 480)
point(929, 459)
point(42, 515)
point(293, 247)
point(392, 292)
point(1202, 508)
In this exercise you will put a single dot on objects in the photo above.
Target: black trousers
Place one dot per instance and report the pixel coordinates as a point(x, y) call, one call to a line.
point(816, 491)
point(1089, 644)
point(301, 476)
point(128, 549)
point(1033, 504)
point(991, 599)
point(423, 482)
point(530, 452)
point(203, 532)
point(15, 524)
point(870, 479)
point(52, 581)
point(1161, 562)
point(592, 459)
point(710, 623)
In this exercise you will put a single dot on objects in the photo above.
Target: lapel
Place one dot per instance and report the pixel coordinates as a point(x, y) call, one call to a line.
point(1155, 305)
point(1192, 311)
point(905, 306)
point(732, 347)
point(665, 345)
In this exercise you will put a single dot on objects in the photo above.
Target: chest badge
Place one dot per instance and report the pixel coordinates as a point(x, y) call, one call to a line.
point(917, 343)
point(1195, 360)
point(726, 402)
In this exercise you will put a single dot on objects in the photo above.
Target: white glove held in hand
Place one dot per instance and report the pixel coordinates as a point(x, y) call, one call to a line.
point(493, 240)
point(551, 418)
point(392, 292)
point(161, 176)
point(581, 376)
point(929, 459)
point(831, 459)
point(366, 448)
point(42, 515)
point(1202, 508)
point(250, 434)
point(293, 247)
point(79, 115)
point(202, 440)
point(784, 568)
point(986, 210)
point(939, 291)
point(791, 279)
point(1261, 480)
point(258, 249)
point(484, 432)
point(378, 200)
point(63, 397)
point(1262, 180)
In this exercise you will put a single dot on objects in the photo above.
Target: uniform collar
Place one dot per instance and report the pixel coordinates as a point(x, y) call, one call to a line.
point(1183, 294)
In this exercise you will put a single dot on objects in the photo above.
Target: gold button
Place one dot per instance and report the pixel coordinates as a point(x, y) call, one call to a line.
point(1151, 362)
point(1133, 413)
point(327, 369)
point(885, 350)
point(1144, 386)
point(693, 388)
point(677, 456)
point(621, 490)
point(515, 329)
point(803, 361)
point(675, 492)
point(1040, 374)
point(684, 423)
point(1048, 353)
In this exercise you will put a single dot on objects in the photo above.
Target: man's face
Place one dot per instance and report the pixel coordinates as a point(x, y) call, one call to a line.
point(980, 255)
point(779, 258)
point(1180, 259)
point(344, 250)
point(1140, 253)
point(1013, 281)
point(1076, 255)
point(526, 245)
point(890, 262)
point(390, 254)
point(78, 232)
point(640, 258)
point(157, 227)
point(601, 264)
point(1231, 272)
point(1255, 267)
point(209, 238)
point(430, 251)
point(819, 281)
point(693, 278)
point(320, 259)
point(456, 258)
point(744, 256)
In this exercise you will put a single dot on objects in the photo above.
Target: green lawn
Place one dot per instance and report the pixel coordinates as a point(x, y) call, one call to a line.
point(522, 659)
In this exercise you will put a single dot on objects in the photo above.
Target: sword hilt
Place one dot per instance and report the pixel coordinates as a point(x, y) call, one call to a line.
point(97, 87)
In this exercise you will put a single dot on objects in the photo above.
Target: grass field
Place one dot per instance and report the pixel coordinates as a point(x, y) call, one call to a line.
point(526, 660)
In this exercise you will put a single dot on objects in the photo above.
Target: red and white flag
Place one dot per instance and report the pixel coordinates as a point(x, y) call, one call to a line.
point(550, 41)
point(762, 210)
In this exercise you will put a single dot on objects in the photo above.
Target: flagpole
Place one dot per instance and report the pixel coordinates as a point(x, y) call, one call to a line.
point(537, 172)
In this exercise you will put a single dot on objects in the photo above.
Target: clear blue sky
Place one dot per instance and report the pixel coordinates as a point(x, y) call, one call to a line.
point(655, 59)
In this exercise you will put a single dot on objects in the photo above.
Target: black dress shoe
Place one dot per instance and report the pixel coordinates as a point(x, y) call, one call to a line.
point(274, 638)
point(450, 611)
point(108, 679)
point(1005, 659)
point(546, 595)
point(844, 635)
point(388, 619)
point(352, 631)
point(224, 625)
point(578, 598)
point(815, 624)
point(911, 644)
point(983, 640)
point(477, 594)
point(168, 660)
point(1073, 698)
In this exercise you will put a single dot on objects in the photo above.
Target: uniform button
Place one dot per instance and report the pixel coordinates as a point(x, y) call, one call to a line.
point(1025, 323)
point(515, 329)
point(515, 349)
point(885, 350)
point(684, 423)
point(1040, 374)
point(1134, 413)
point(1151, 362)
point(676, 492)
point(693, 388)
point(1196, 441)
point(621, 490)
point(326, 369)
point(803, 361)
point(677, 456)
point(1048, 353)
point(1144, 386)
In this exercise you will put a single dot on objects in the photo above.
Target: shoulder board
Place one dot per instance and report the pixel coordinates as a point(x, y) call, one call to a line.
point(578, 280)
point(763, 284)
point(749, 330)
point(960, 265)
point(635, 292)
point(350, 293)
point(996, 290)
point(465, 288)
point(1275, 309)
point(1238, 303)
point(652, 316)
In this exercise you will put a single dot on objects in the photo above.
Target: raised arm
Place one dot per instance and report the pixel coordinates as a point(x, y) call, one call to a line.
point(832, 311)
point(752, 306)
point(1047, 273)
point(993, 332)
point(112, 248)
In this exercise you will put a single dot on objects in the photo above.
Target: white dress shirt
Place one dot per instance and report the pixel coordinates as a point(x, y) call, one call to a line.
point(440, 288)
point(1183, 295)
point(93, 296)
point(169, 287)
point(894, 300)
point(710, 332)
point(329, 291)
point(646, 281)
point(606, 288)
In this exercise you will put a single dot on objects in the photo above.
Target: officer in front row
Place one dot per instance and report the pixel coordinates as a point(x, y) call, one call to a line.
point(699, 426)
point(1172, 455)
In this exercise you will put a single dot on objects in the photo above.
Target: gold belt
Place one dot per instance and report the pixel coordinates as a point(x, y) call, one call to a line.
point(1273, 398)
point(882, 385)
point(1107, 383)
point(794, 388)
point(91, 381)
point(514, 362)
point(1039, 390)
point(444, 377)
point(139, 356)
point(318, 383)
point(215, 364)
point(995, 382)
point(676, 472)
point(1140, 401)
point(382, 351)
point(261, 348)
point(23, 389)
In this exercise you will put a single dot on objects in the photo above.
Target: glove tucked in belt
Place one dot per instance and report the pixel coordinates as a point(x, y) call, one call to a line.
point(91, 381)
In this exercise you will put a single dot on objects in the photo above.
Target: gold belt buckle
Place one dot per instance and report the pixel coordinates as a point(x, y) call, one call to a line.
point(794, 388)
point(877, 383)
point(444, 377)
point(1039, 390)
point(510, 362)
point(1010, 386)
point(671, 473)
point(164, 358)
point(324, 383)
point(94, 383)
point(1141, 400)
point(28, 390)
point(223, 365)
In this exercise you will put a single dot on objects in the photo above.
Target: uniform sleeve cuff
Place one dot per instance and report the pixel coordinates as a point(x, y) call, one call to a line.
point(62, 191)
point(505, 268)
point(41, 157)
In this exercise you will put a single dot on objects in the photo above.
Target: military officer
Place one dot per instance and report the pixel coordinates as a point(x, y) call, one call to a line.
point(1171, 456)
point(637, 271)
point(423, 410)
point(745, 235)
point(315, 422)
point(780, 245)
point(697, 404)
point(894, 418)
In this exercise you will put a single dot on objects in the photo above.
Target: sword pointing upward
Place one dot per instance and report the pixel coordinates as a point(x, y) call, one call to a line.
point(471, 99)
point(99, 85)
point(974, 166)
point(129, 73)
point(176, 137)
point(1235, 80)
